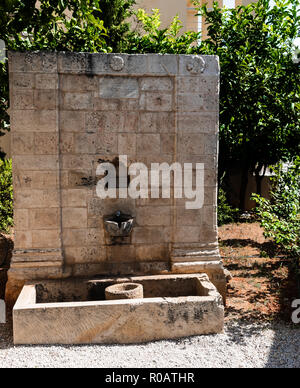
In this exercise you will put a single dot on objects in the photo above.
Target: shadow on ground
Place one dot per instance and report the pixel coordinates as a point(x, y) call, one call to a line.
point(263, 288)
point(6, 333)
point(283, 344)
point(268, 248)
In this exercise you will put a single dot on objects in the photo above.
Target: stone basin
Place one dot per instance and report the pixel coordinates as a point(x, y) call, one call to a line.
point(124, 291)
point(74, 311)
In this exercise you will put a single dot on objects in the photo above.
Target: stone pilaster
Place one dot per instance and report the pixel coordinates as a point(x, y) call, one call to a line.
point(195, 238)
point(34, 104)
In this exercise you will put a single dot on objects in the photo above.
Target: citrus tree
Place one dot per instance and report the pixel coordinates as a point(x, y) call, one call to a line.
point(260, 85)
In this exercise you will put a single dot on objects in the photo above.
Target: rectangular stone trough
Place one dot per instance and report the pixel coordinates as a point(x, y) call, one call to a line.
point(75, 311)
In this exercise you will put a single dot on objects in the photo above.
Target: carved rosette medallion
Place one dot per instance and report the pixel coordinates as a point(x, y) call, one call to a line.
point(196, 65)
point(117, 63)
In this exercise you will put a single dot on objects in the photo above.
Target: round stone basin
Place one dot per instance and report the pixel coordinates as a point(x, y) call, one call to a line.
point(124, 291)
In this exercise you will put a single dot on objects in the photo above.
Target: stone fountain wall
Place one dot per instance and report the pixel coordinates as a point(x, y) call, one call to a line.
point(70, 112)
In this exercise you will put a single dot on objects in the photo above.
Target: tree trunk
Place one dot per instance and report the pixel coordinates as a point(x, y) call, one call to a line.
point(243, 187)
point(259, 178)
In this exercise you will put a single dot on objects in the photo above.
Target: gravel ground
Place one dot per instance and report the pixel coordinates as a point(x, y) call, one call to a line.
point(241, 346)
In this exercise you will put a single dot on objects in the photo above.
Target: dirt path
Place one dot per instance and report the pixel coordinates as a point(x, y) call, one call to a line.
point(263, 285)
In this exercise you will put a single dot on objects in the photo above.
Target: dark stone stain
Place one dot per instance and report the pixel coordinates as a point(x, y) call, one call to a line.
point(198, 314)
point(103, 161)
point(60, 297)
point(88, 181)
point(43, 295)
point(90, 66)
point(186, 316)
point(171, 316)
point(132, 308)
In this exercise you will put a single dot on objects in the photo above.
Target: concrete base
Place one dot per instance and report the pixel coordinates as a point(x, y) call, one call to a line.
point(73, 311)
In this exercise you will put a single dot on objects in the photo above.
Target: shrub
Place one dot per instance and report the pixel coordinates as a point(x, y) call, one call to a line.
point(150, 38)
point(6, 195)
point(226, 213)
point(260, 84)
point(280, 216)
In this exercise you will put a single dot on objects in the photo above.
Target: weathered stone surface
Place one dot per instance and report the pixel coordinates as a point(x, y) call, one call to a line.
point(156, 102)
point(117, 63)
point(46, 143)
point(163, 64)
point(208, 84)
point(39, 62)
point(23, 144)
point(146, 235)
point(77, 101)
point(22, 80)
point(167, 143)
point(154, 216)
point(72, 63)
point(108, 143)
point(36, 199)
point(46, 81)
point(188, 311)
point(148, 144)
point(84, 254)
point(74, 217)
point(151, 252)
point(214, 269)
point(34, 121)
point(124, 291)
point(83, 83)
point(46, 239)
point(194, 122)
point(13, 289)
point(43, 218)
point(79, 110)
point(126, 144)
point(35, 179)
point(191, 144)
point(197, 66)
point(29, 162)
point(83, 237)
point(45, 99)
point(156, 84)
point(160, 122)
point(121, 253)
point(112, 87)
point(71, 121)
point(22, 99)
point(23, 239)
